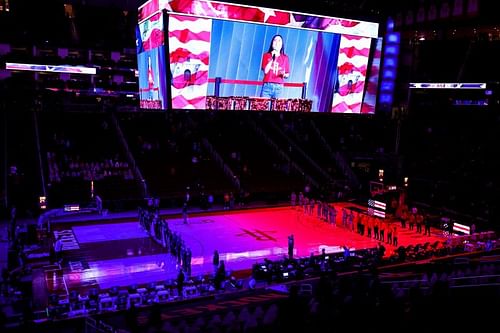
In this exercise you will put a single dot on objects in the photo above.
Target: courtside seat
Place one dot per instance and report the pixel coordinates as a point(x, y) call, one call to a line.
point(143, 292)
point(135, 299)
point(77, 309)
point(83, 298)
point(106, 304)
point(63, 308)
point(149, 297)
point(91, 306)
point(121, 302)
point(162, 296)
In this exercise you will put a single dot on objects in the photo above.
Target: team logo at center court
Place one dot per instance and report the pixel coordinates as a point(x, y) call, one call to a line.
point(259, 235)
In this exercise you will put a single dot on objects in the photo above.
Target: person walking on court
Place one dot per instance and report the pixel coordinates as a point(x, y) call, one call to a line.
point(58, 246)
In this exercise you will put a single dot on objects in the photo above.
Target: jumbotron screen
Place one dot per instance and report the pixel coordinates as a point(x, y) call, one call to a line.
point(150, 42)
point(215, 55)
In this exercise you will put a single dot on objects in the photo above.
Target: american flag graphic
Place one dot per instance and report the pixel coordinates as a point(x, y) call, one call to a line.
point(465, 229)
point(221, 10)
point(189, 46)
point(147, 9)
point(352, 67)
point(376, 204)
point(150, 34)
point(370, 98)
point(376, 212)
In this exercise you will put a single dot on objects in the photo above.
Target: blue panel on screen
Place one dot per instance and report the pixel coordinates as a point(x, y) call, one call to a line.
point(393, 50)
point(393, 37)
point(387, 86)
point(386, 98)
point(388, 74)
point(389, 62)
point(152, 82)
point(390, 24)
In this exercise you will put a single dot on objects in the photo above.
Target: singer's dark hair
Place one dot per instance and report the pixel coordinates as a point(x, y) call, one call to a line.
point(282, 44)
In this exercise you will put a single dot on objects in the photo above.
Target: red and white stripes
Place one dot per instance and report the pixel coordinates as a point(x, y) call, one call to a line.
point(352, 64)
point(189, 46)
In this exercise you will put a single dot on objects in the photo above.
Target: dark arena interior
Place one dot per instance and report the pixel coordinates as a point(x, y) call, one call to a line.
point(249, 166)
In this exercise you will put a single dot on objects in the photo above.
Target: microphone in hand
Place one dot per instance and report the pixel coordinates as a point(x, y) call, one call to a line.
point(274, 56)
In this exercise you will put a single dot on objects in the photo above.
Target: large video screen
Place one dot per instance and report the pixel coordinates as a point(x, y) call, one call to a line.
point(151, 62)
point(235, 51)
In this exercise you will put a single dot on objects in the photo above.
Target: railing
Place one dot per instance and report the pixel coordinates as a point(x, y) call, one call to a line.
point(301, 151)
point(220, 162)
point(143, 185)
point(280, 152)
point(338, 158)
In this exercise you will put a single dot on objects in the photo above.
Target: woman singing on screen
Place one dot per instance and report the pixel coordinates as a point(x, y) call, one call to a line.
point(276, 68)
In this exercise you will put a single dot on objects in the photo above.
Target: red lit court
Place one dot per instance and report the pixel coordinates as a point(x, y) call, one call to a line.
point(105, 253)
